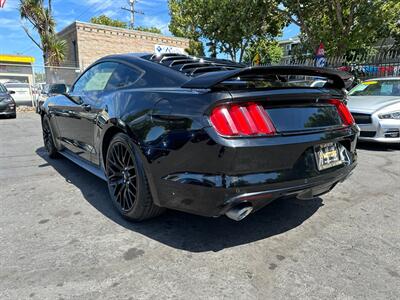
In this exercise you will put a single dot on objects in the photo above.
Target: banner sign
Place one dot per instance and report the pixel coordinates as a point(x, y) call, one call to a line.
point(161, 49)
point(320, 60)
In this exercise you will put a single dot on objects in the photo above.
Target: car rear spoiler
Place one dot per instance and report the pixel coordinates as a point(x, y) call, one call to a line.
point(339, 79)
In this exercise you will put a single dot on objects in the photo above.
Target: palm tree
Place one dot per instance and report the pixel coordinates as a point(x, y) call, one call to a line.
point(41, 19)
point(57, 53)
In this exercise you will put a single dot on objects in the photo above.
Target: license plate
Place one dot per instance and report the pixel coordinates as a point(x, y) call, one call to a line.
point(327, 156)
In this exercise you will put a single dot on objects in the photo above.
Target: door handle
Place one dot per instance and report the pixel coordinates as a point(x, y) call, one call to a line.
point(86, 107)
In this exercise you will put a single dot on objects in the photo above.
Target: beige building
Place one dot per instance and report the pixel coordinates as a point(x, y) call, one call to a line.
point(87, 42)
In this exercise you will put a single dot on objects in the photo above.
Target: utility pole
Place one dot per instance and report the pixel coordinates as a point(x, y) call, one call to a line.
point(50, 7)
point(132, 11)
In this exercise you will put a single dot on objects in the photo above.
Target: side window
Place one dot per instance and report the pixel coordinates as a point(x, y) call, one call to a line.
point(96, 78)
point(124, 76)
point(387, 88)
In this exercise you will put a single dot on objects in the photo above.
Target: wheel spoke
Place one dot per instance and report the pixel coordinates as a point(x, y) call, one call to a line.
point(116, 182)
point(131, 192)
point(113, 163)
point(115, 159)
point(126, 204)
point(126, 157)
point(133, 186)
point(120, 194)
point(129, 198)
point(118, 155)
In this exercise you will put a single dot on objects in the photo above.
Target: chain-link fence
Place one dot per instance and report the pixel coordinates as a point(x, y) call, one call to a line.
point(30, 81)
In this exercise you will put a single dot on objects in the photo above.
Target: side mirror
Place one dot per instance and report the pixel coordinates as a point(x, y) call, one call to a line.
point(11, 92)
point(75, 99)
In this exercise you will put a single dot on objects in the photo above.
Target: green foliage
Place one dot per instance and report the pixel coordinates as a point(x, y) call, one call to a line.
point(391, 26)
point(58, 50)
point(229, 25)
point(342, 25)
point(41, 19)
point(104, 20)
point(148, 29)
point(263, 51)
point(195, 48)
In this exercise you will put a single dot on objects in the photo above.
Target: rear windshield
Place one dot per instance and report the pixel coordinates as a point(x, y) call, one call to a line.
point(377, 88)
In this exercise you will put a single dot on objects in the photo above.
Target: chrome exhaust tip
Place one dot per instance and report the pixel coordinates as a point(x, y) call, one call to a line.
point(239, 212)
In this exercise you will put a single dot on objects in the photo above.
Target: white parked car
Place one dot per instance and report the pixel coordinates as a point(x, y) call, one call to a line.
point(23, 92)
point(375, 106)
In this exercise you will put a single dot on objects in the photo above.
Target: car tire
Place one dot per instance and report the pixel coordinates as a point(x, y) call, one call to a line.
point(13, 116)
point(48, 138)
point(127, 182)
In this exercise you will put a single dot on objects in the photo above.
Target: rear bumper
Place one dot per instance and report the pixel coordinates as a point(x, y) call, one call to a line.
point(191, 194)
point(208, 178)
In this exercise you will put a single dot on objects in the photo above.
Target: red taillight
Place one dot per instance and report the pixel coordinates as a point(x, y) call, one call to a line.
point(344, 112)
point(242, 120)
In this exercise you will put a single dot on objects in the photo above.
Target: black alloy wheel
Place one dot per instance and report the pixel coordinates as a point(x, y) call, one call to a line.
point(121, 174)
point(127, 182)
point(48, 139)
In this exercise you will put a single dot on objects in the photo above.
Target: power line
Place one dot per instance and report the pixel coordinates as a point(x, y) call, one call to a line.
point(99, 9)
point(28, 49)
point(102, 9)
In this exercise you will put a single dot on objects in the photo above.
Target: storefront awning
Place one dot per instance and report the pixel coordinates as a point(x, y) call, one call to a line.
point(16, 59)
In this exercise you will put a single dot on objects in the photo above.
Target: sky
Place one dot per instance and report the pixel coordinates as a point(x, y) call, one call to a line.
point(13, 39)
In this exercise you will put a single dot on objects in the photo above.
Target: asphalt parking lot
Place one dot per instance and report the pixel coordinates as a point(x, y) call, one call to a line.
point(60, 237)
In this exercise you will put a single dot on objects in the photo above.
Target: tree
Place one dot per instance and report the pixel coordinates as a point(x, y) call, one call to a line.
point(230, 26)
point(195, 48)
point(104, 20)
point(41, 19)
point(263, 51)
point(148, 29)
point(391, 26)
point(342, 25)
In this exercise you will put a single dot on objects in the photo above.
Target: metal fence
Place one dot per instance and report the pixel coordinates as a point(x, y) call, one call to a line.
point(28, 81)
point(383, 64)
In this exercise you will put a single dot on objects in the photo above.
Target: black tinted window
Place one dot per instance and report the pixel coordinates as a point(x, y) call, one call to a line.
point(3, 89)
point(96, 78)
point(58, 89)
point(124, 76)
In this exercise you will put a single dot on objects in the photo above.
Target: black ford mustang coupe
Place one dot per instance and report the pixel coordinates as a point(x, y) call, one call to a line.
point(205, 136)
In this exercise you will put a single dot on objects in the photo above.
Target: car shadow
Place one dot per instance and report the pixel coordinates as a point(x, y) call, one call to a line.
point(186, 231)
point(371, 146)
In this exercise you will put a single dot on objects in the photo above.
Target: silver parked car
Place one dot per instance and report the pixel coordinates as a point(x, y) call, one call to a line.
point(375, 106)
